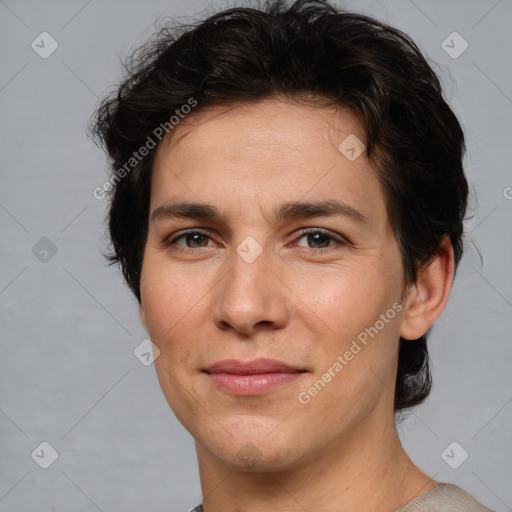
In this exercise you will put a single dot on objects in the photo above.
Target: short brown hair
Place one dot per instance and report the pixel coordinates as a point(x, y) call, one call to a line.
point(313, 50)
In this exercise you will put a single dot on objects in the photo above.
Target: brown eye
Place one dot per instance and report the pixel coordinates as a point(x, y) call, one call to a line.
point(319, 240)
point(193, 240)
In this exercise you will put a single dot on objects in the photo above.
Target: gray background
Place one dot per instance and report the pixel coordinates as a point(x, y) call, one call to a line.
point(69, 326)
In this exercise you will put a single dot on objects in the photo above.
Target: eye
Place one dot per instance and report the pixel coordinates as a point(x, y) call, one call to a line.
point(193, 240)
point(321, 239)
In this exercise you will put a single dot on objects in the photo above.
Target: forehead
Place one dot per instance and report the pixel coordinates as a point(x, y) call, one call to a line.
point(286, 125)
point(270, 152)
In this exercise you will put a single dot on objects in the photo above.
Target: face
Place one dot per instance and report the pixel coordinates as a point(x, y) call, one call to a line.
point(256, 276)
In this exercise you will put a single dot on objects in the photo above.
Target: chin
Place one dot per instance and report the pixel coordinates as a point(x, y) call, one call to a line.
point(257, 454)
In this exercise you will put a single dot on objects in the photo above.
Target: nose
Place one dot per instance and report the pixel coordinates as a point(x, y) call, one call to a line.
point(251, 297)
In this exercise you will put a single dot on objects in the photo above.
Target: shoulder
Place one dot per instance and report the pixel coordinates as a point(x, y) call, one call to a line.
point(445, 498)
point(442, 498)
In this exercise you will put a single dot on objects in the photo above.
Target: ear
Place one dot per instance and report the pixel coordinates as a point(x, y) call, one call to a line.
point(427, 298)
point(142, 315)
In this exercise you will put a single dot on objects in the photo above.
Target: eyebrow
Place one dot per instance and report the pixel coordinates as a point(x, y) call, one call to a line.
point(286, 211)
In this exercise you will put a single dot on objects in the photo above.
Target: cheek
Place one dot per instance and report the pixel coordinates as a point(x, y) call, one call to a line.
point(355, 317)
point(343, 300)
point(172, 301)
point(177, 308)
point(168, 295)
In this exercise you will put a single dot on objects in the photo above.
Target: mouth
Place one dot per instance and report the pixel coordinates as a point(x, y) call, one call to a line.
point(251, 378)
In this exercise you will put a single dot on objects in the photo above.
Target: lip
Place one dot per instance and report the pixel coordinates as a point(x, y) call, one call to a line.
point(251, 378)
point(251, 367)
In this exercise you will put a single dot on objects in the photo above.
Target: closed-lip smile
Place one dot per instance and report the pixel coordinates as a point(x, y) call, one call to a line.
point(250, 378)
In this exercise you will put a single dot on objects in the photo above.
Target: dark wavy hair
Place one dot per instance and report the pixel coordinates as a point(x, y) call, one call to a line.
point(313, 52)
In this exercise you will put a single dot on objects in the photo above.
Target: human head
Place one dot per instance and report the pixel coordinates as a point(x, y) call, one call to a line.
point(311, 53)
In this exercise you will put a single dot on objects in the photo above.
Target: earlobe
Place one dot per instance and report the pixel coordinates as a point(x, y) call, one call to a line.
point(428, 297)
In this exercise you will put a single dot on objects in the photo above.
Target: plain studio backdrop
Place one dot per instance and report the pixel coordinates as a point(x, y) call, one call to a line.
point(70, 332)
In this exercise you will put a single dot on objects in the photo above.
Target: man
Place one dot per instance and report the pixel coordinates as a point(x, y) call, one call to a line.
point(287, 205)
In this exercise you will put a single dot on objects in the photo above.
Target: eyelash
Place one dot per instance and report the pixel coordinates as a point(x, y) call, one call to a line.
point(340, 240)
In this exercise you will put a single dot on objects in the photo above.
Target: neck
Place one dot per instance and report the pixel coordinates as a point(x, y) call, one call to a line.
point(367, 470)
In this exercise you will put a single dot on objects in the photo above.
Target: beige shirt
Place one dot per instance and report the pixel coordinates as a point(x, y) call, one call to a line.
point(442, 498)
point(445, 498)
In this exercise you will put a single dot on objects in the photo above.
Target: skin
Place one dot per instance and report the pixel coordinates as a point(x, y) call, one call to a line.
point(205, 303)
